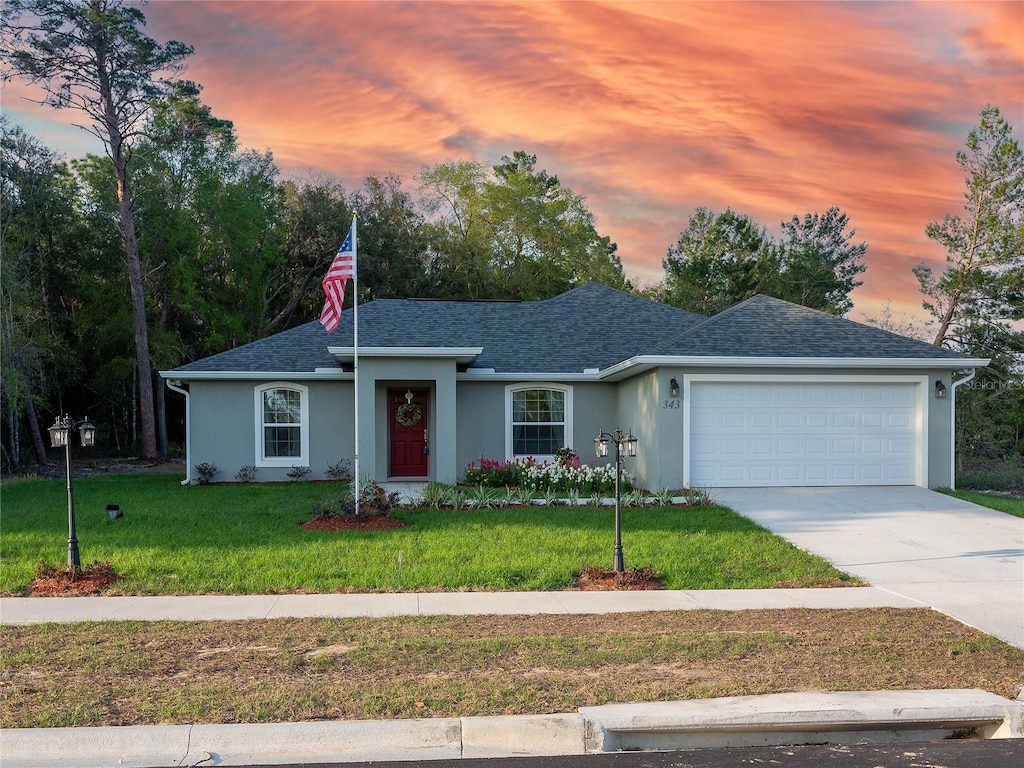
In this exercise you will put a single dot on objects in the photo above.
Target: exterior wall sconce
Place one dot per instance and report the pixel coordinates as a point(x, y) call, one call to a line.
point(940, 389)
point(625, 445)
point(60, 437)
point(673, 388)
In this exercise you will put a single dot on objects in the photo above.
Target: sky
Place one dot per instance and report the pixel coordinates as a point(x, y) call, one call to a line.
point(648, 110)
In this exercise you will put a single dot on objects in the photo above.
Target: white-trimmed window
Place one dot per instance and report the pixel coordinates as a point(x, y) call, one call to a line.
point(538, 420)
point(282, 425)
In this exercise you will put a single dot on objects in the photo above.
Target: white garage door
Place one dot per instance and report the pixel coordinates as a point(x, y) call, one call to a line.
point(802, 433)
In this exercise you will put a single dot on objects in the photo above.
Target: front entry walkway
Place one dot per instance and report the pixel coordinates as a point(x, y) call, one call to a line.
point(959, 558)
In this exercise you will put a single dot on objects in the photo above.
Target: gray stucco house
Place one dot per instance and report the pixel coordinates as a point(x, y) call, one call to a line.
point(766, 393)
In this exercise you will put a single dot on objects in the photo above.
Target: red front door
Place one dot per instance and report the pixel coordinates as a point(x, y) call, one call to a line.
point(408, 432)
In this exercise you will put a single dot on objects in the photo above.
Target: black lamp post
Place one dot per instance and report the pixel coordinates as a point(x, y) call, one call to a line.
point(60, 437)
point(625, 445)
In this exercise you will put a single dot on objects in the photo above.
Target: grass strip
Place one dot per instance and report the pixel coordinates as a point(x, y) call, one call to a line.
point(134, 673)
point(247, 539)
point(1011, 505)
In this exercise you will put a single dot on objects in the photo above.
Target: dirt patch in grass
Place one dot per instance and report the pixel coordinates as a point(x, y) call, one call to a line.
point(134, 673)
point(353, 523)
point(592, 577)
point(53, 580)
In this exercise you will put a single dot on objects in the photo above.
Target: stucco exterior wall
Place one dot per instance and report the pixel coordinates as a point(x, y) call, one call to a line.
point(376, 376)
point(223, 427)
point(469, 419)
point(483, 420)
point(935, 412)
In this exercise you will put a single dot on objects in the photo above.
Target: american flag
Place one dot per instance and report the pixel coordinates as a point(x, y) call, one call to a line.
point(342, 269)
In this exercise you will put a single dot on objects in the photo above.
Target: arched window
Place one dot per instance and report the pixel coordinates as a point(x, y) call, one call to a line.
point(538, 420)
point(282, 425)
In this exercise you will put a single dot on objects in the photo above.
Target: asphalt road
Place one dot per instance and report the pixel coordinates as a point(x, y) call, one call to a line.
point(992, 753)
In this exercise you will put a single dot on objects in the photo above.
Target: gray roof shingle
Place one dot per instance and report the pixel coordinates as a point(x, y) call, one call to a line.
point(763, 326)
point(592, 326)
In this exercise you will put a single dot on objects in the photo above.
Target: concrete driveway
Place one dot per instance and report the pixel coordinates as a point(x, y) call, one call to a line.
point(958, 558)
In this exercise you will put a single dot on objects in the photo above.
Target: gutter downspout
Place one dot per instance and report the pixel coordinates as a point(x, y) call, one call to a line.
point(175, 386)
point(952, 424)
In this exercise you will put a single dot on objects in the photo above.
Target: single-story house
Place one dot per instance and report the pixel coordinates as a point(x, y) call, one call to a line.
point(766, 393)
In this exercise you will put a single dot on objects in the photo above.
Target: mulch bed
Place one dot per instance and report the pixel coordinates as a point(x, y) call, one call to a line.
point(353, 523)
point(592, 577)
point(53, 580)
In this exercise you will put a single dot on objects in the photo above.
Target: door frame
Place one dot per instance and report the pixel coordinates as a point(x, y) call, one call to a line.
point(419, 389)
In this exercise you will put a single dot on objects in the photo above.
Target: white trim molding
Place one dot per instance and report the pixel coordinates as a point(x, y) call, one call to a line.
point(565, 389)
point(459, 354)
point(262, 460)
point(641, 363)
point(320, 374)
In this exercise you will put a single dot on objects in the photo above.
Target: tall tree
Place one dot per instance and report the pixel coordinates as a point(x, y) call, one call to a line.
point(719, 260)
point(42, 235)
point(820, 261)
point(313, 217)
point(511, 231)
point(980, 293)
point(391, 241)
point(93, 57)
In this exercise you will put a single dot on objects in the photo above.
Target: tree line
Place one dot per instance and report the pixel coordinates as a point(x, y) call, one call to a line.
point(178, 243)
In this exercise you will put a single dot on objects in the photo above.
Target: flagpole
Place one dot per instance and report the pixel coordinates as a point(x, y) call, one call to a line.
point(355, 352)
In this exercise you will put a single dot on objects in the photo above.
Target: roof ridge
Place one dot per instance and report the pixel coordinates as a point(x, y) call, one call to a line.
point(704, 323)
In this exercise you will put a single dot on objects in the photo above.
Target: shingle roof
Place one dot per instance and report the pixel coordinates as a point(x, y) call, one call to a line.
point(763, 326)
point(592, 326)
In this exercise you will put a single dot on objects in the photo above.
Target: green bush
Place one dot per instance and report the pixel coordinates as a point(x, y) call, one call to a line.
point(1007, 475)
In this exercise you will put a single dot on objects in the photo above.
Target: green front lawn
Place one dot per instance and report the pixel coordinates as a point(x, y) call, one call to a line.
point(246, 539)
point(1012, 505)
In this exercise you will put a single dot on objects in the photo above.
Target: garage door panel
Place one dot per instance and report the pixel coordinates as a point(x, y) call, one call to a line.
point(802, 433)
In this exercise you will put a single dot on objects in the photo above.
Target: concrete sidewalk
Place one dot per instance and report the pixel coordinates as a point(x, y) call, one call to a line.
point(34, 610)
point(959, 558)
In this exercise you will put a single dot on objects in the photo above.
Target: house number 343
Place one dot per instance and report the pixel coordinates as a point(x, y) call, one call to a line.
point(671, 404)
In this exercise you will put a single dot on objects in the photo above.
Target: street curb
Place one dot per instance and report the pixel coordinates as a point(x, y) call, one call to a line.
point(787, 718)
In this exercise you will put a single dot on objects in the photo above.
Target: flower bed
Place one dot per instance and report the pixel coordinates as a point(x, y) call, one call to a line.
point(563, 476)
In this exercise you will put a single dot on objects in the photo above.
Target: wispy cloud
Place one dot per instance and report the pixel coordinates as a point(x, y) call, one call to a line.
point(648, 109)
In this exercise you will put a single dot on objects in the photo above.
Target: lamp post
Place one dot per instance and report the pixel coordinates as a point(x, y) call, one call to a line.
point(60, 437)
point(625, 445)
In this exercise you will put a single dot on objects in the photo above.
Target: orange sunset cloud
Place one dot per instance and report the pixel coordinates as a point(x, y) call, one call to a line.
point(649, 110)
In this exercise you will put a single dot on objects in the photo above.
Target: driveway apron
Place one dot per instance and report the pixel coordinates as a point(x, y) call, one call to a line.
point(959, 558)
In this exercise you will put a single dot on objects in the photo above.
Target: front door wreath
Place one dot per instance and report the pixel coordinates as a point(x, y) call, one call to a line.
point(409, 414)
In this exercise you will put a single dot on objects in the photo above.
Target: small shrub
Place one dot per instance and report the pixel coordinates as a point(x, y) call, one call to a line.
point(205, 472)
point(374, 500)
point(698, 497)
point(297, 473)
point(482, 497)
point(1005, 475)
point(633, 499)
point(246, 474)
point(434, 494)
point(334, 506)
point(454, 497)
point(524, 496)
point(551, 496)
point(663, 497)
point(339, 470)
